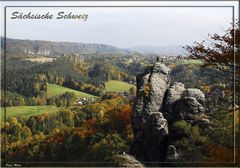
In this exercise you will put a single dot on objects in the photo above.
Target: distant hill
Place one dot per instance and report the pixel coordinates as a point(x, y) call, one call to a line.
point(32, 48)
point(28, 48)
point(173, 50)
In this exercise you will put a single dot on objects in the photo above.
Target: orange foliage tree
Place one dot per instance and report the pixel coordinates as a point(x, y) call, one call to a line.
point(121, 118)
point(219, 154)
point(219, 50)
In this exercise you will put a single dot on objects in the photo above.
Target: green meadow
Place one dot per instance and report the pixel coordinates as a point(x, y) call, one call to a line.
point(27, 111)
point(118, 86)
point(55, 90)
point(190, 61)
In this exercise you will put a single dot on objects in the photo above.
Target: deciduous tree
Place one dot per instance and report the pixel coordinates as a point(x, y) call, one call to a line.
point(219, 51)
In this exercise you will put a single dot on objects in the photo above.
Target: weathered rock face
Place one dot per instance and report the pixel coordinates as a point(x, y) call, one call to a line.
point(157, 105)
point(172, 153)
point(151, 88)
point(149, 125)
point(173, 94)
point(196, 93)
point(187, 108)
point(183, 104)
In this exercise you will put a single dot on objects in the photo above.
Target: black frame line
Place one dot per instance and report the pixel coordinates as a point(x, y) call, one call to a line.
point(134, 6)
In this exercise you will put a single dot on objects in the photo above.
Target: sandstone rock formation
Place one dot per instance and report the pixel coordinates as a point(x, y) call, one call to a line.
point(172, 153)
point(173, 94)
point(157, 105)
point(149, 125)
point(183, 104)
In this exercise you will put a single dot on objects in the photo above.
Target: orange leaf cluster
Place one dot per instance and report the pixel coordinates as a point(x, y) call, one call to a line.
point(219, 154)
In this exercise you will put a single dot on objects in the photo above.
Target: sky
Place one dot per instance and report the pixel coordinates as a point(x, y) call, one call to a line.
point(122, 27)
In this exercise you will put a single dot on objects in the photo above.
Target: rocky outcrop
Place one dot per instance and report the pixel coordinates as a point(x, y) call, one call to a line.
point(172, 153)
point(157, 105)
point(150, 128)
point(173, 95)
point(125, 160)
point(151, 88)
point(183, 104)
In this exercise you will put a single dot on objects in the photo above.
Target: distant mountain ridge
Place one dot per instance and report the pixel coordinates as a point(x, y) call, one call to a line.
point(19, 48)
point(172, 50)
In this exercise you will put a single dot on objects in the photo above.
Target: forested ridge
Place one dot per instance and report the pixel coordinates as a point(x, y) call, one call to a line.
point(31, 48)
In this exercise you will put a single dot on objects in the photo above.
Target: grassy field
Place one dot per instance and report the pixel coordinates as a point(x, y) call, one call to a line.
point(27, 111)
point(118, 86)
point(190, 61)
point(41, 59)
point(55, 90)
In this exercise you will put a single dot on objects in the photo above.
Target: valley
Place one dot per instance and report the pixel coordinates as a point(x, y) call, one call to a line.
point(75, 102)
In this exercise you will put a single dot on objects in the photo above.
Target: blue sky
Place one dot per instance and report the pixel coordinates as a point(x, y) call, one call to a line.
point(123, 27)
